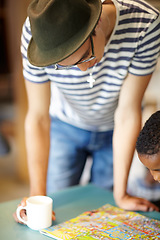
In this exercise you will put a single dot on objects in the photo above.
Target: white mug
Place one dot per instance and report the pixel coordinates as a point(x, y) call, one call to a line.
point(39, 212)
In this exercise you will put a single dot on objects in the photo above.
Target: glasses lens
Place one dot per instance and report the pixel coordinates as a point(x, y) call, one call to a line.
point(87, 60)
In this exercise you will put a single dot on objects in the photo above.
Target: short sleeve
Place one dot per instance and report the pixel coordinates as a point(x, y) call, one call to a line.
point(30, 72)
point(148, 51)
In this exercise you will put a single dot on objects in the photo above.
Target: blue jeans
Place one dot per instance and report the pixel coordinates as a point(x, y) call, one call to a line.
point(69, 150)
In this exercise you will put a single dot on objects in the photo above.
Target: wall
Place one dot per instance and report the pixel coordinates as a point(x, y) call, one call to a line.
point(16, 11)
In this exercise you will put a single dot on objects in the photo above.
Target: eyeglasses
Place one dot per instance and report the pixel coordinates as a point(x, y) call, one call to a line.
point(60, 67)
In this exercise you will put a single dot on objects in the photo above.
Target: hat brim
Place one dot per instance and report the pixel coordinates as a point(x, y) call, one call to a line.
point(42, 58)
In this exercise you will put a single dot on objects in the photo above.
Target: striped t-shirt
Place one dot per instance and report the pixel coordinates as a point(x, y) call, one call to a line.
point(133, 47)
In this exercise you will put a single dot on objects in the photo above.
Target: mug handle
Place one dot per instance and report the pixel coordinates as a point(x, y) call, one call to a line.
point(18, 214)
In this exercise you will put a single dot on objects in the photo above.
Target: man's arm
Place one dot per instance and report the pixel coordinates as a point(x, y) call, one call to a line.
point(37, 126)
point(127, 127)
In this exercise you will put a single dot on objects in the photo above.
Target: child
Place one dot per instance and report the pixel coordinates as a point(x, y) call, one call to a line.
point(148, 145)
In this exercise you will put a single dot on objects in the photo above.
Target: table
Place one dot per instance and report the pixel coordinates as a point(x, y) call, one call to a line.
point(67, 204)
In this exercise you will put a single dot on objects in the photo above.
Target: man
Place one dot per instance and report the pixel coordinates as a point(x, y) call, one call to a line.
point(88, 64)
point(148, 145)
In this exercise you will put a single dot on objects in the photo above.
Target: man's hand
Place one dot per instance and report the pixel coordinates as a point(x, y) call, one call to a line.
point(23, 212)
point(136, 204)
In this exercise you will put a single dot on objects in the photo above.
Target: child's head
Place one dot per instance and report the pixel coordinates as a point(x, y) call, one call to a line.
point(148, 145)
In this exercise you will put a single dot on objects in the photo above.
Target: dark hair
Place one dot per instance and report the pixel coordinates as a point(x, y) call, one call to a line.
point(148, 141)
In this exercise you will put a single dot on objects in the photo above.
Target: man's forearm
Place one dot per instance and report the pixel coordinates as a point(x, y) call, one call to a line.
point(37, 144)
point(124, 139)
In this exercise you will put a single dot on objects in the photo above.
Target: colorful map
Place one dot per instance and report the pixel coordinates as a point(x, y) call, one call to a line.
point(106, 222)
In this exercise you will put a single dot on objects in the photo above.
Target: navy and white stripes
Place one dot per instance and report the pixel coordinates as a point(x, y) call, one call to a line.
point(133, 48)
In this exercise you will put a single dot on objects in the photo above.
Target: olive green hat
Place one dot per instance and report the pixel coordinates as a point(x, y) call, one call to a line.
point(59, 28)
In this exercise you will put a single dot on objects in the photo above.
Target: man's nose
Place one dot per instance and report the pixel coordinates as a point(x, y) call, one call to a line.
point(155, 176)
point(83, 66)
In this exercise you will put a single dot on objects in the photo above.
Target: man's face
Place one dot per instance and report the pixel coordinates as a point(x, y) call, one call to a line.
point(85, 52)
point(152, 162)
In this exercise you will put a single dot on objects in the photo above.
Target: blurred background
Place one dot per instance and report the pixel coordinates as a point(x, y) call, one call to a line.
point(14, 182)
point(13, 104)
